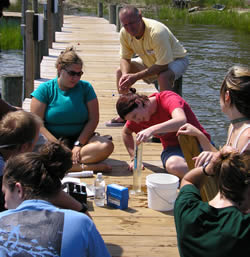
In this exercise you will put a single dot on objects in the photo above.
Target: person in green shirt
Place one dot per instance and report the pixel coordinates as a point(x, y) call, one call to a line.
point(220, 227)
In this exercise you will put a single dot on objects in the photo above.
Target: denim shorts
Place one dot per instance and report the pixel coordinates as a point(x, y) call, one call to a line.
point(170, 151)
point(179, 66)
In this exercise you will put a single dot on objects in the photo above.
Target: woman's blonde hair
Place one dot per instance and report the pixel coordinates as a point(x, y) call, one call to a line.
point(67, 58)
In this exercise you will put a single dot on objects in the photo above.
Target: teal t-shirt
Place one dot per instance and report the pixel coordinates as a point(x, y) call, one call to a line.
point(66, 113)
point(203, 230)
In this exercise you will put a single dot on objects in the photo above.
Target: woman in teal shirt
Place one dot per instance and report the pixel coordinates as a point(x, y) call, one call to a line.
point(70, 110)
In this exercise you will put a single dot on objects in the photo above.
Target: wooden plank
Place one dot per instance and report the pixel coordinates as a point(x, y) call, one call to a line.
point(138, 230)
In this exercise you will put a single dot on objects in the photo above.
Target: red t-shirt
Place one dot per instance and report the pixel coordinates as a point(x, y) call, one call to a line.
point(167, 101)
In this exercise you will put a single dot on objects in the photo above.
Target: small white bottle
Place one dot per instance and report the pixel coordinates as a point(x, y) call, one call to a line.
point(99, 186)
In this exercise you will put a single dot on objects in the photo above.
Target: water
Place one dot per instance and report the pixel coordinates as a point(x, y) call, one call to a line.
point(11, 62)
point(212, 51)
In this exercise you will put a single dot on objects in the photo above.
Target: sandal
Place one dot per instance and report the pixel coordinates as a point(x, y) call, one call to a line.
point(115, 122)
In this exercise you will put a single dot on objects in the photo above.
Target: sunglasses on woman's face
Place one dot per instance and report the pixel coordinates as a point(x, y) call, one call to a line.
point(73, 73)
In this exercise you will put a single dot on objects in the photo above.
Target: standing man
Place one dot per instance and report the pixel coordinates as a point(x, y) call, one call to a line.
point(161, 57)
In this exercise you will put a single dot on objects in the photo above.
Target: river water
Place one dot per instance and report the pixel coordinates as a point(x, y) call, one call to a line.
point(212, 51)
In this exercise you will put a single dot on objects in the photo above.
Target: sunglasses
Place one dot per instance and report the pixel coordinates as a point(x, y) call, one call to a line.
point(73, 73)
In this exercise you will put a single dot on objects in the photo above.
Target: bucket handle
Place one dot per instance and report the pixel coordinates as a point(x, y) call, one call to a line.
point(165, 200)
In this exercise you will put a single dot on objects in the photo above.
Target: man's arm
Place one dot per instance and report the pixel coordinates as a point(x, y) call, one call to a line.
point(125, 65)
point(128, 79)
point(153, 70)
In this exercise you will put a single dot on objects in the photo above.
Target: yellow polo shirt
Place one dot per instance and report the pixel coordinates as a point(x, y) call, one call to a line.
point(157, 46)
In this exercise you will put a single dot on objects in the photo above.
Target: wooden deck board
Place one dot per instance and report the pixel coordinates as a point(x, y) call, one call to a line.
point(137, 231)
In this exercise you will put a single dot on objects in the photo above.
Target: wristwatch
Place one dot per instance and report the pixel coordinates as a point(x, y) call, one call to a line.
point(77, 143)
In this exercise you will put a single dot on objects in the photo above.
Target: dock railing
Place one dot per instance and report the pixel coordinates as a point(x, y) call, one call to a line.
point(38, 30)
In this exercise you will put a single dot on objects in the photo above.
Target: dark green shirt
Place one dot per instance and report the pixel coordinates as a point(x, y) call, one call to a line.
point(205, 231)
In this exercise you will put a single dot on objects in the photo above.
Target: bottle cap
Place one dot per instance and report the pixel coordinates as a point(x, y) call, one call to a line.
point(99, 175)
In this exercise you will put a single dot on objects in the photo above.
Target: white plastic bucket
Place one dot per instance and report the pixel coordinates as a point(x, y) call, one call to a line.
point(162, 191)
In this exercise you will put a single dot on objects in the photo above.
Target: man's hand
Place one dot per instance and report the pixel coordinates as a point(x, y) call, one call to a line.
point(125, 83)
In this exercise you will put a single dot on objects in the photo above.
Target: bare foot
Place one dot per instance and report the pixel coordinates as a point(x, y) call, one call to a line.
point(91, 166)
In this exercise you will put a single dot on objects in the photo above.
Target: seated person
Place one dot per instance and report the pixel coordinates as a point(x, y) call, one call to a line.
point(33, 225)
point(5, 108)
point(69, 108)
point(234, 101)
point(160, 115)
point(19, 132)
point(220, 227)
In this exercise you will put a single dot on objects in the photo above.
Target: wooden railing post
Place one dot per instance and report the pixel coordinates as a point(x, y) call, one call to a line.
point(23, 32)
point(100, 10)
point(12, 89)
point(50, 23)
point(118, 23)
point(35, 6)
point(60, 15)
point(45, 43)
point(112, 13)
point(29, 57)
point(37, 51)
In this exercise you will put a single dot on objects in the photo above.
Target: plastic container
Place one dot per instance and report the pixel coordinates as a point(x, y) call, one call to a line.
point(162, 191)
point(117, 196)
point(99, 189)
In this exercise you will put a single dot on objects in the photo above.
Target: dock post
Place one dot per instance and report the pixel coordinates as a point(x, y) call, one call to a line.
point(49, 23)
point(37, 46)
point(44, 43)
point(12, 89)
point(118, 23)
point(23, 32)
point(29, 58)
point(35, 6)
point(100, 10)
point(60, 15)
point(112, 13)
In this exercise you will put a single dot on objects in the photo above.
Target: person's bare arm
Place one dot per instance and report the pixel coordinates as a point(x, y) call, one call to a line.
point(128, 79)
point(188, 129)
point(39, 108)
point(172, 125)
point(90, 126)
point(65, 201)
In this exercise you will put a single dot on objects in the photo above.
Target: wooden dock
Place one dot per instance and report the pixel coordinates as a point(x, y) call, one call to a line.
point(137, 231)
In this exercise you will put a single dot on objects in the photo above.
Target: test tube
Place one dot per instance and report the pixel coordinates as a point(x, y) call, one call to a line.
point(137, 169)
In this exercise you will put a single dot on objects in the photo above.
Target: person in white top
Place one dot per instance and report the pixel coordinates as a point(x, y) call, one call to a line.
point(234, 101)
